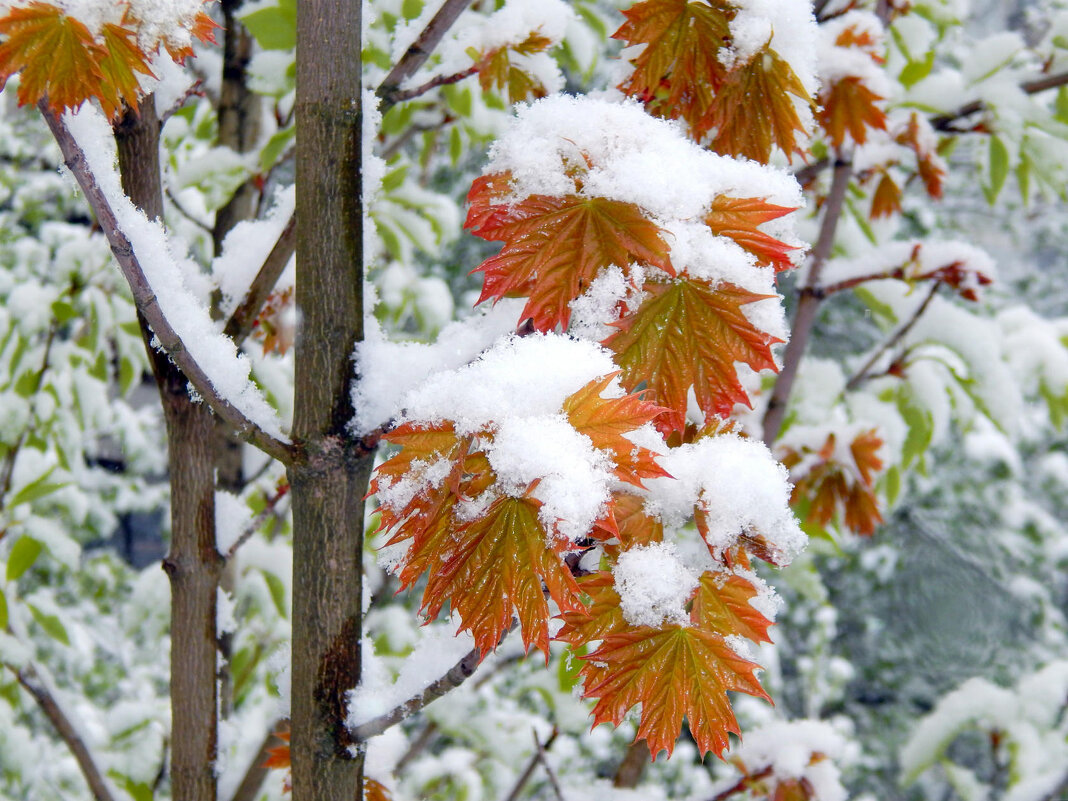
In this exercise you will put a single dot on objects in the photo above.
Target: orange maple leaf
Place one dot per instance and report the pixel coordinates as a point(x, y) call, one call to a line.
point(672, 672)
point(850, 107)
point(689, 334)
point(554, 247)
point(601, 617)
point(756, 109)
point(497, 563)
point(606, 421)
point(886, 200)
point(496, 70)
point(722, 604)
point(740, 219)
point(56, 54)
point(122, 60)
point(634, 525)
point(678, 72)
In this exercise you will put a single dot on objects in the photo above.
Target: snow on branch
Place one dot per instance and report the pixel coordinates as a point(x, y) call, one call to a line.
point(182, 325)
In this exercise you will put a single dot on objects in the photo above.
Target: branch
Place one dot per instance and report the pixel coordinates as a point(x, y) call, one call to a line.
point(257, 521)
point(544, 760)
point(400, 95)
point(240, 323)
point(524, 777)
point(251, 782)
point(35, 686)
point(195, 89)
point(145, 298)
point(457, 675)
point(185, 212)
point(805, 317)
point(863, 373)
point(419, 52)
point(742, 784)
point(944, 122)
point(849, 283)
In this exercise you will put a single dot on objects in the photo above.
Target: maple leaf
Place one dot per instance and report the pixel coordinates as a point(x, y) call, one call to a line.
point(555, 246)
point(56, 54)
point(498, 562)
point(722, 604)
point(672, 672)
point(919, 136)
point(886, 199)
point(740, 219)
point(850, 107)
point(496, 70)
point(678, 72)
point(601, 617)
point(689, 334)
point(606, 421)
point(634, 526)
point(122, 61)
point(756, 109)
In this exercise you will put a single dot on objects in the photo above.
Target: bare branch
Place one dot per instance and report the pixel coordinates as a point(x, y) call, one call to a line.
point(831, 289)
point(146, 301)
point(240, 323)
point(524, 777)
point(945, 122)
point(185, 212)
point(544, 760)
point(250, 784)
point(32, 682)
point(440, 80)
point(457, 675)
point(864, 372)
point(258, 520)
point(418, 746)
point(808, 304)
point(419, 52)
point(810, 171)
point(195, 89)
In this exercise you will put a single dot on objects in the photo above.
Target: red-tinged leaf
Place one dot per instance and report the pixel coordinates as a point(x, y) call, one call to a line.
point(862, 39)
point(722, 605)
point(862, 513)
point(555, 247)
point(794, 790)
point(756, 109)
point(496, 71)
point(122, 61)
point(740, 219)
point(850, 107)
point(374, 790)
point(635, 526)
point(56, 54)
point(865, 449)
point(678, 72)
point(497, 563)
point(886, 200)
point(672, 672)
point(204, 28)
point(688, 334)
point(419, 442)
point(603, 615)
point(488, 207)
point(606, 421)
point(920, 137)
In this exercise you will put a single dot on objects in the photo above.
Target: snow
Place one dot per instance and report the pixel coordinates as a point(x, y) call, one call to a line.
point(228, 370)
point(439, 649)
point(654, 585)
point(794, 35)
point(737, 484)
point(790, 749)
point(232, 517)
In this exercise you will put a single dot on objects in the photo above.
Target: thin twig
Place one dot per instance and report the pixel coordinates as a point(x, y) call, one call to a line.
point(418, 746)
point(543, 758)
point(195, 89)
point(251, 782)
point(185, 212)
point(393, 147)
point(863, 373)
point(810, 171)
point(32, 682)
point(830, 289)
point(145, 298)
point(944, 122)
point(532, 765)
point(808, 304)
point(240, 323)
point(419, 51)
point(257, 521)
point(441, 80)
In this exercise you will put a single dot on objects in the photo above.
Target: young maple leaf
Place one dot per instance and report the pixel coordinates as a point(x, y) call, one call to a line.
point(496, 70)
point(756, 109)
point(554, 247)
point(679, 71)
point(740, 219)
point(56, 54)
point(498, 562)
point(634, 526)
point(689, 334)
point(122, 61)
point(850, 107)
point(601, 617)
point(606, 421)
point(886, 200)
point(671, 671)
point(722, 604)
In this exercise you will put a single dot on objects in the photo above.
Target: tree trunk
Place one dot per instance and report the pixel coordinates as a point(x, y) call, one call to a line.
point(193, 564)
point(329, 477)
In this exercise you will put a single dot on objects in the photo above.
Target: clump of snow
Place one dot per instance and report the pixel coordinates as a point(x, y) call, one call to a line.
point(232, 517)
point(788, 26)
point(791, 750)
point(654, 585)
point(739, 487)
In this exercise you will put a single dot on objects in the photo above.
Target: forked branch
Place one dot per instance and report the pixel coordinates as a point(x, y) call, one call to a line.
point(239, 326)
point(145, 298)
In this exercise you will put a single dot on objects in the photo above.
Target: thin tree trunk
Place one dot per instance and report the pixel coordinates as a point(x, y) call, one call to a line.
point(193, 564)
point(329, 476)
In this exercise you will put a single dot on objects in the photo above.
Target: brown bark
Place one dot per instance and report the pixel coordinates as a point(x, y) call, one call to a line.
point(193, 564)
point(329, 476)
